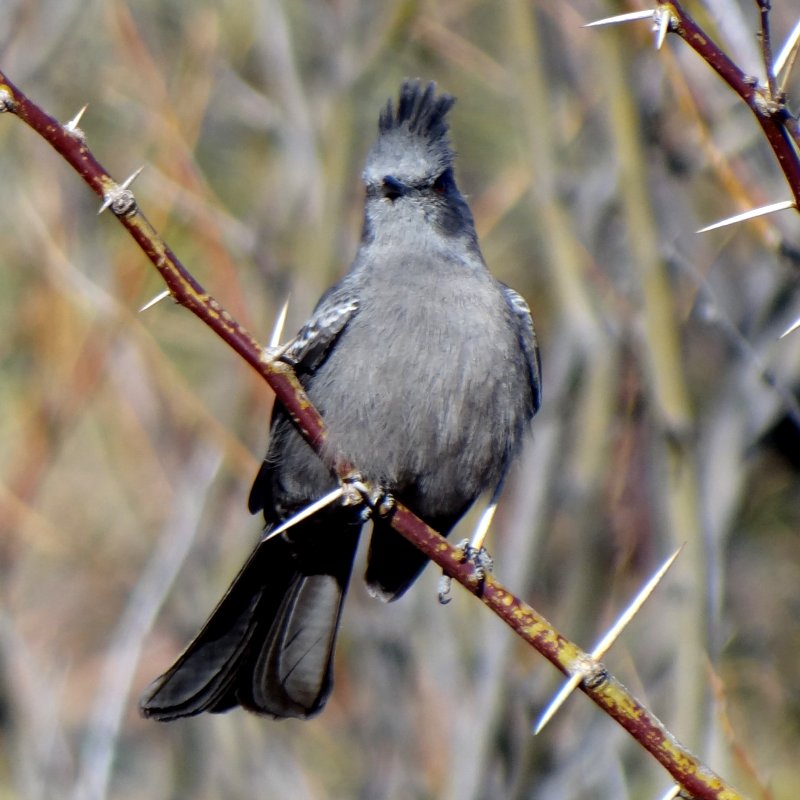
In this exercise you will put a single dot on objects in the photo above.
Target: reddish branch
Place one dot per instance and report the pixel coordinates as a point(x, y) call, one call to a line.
point(602, 687)
point(768, 106)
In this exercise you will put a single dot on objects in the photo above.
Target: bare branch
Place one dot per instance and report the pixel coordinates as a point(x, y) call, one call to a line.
point(764, 7)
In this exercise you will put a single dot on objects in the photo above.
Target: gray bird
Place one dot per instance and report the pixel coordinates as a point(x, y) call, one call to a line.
point(426, 371)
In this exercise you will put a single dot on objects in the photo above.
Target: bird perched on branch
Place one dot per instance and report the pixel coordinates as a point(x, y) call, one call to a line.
point(426, 372)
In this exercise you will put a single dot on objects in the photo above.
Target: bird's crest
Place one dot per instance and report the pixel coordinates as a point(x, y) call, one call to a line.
point(412, 143)
point(419, 111)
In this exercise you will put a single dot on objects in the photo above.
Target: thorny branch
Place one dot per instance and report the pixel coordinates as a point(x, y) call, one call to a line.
point(765, 101)
point(605, 690)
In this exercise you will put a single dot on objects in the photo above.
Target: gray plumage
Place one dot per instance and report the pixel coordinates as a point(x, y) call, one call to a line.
point(426, 371)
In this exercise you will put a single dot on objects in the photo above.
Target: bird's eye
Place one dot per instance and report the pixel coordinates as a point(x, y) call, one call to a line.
point(442, 183)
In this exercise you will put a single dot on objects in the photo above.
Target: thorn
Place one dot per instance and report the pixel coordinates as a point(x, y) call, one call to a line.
point(661, 24)
point(566, 690)
point(482, 528)
point(791, 329)
point(131, 178)
point(483, 525)
point(119, 196)
point(277, 331)
point(157, 299)
point(308, 511)
point(604, 645)
point(629, 17)
point(672, 793)
point(783, 56)
point(756, 212)
point(72, 125)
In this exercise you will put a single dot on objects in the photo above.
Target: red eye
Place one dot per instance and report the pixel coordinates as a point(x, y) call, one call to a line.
point(444, 183)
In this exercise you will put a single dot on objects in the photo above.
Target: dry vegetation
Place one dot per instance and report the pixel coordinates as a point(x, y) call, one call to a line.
point(127, 442)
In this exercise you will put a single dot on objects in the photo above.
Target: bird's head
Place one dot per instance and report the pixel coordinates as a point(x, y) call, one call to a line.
point(409, 170)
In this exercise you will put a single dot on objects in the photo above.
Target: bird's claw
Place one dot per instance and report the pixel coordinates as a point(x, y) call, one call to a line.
point(482, 563)
point(445, 584)
point(374, 501)
point(479, 557)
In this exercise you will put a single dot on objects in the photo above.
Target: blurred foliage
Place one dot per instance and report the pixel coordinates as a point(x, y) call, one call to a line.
point(128, 441)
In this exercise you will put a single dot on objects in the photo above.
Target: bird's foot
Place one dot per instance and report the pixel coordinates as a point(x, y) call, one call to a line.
point(374, 501)
point(445, 585)
point(479, 557)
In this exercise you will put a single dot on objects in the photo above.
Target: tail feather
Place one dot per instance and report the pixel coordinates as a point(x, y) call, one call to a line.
point(295, 664)
point(268, 645)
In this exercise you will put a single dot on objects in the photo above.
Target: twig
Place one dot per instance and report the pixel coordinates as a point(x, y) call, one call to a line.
point(764, 7)
point(608, 693)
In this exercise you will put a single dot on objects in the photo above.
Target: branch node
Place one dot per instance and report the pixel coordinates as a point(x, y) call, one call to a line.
point(7, 102)
point(595, 673)
point(763, 103)
point(121, 202)
point(72, 128)
point(120, 199)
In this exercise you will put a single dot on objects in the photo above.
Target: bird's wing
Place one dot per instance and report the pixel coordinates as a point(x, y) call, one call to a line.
point(305, 353)
point(521, 315)
point(311, 345)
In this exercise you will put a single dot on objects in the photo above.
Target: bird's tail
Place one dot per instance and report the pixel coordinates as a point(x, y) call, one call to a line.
point(268, 646)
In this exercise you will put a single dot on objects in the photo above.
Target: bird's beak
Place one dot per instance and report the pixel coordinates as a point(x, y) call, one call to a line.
point(393, 188)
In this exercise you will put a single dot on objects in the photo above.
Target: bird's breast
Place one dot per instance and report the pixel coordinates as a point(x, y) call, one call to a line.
point(426, 386)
